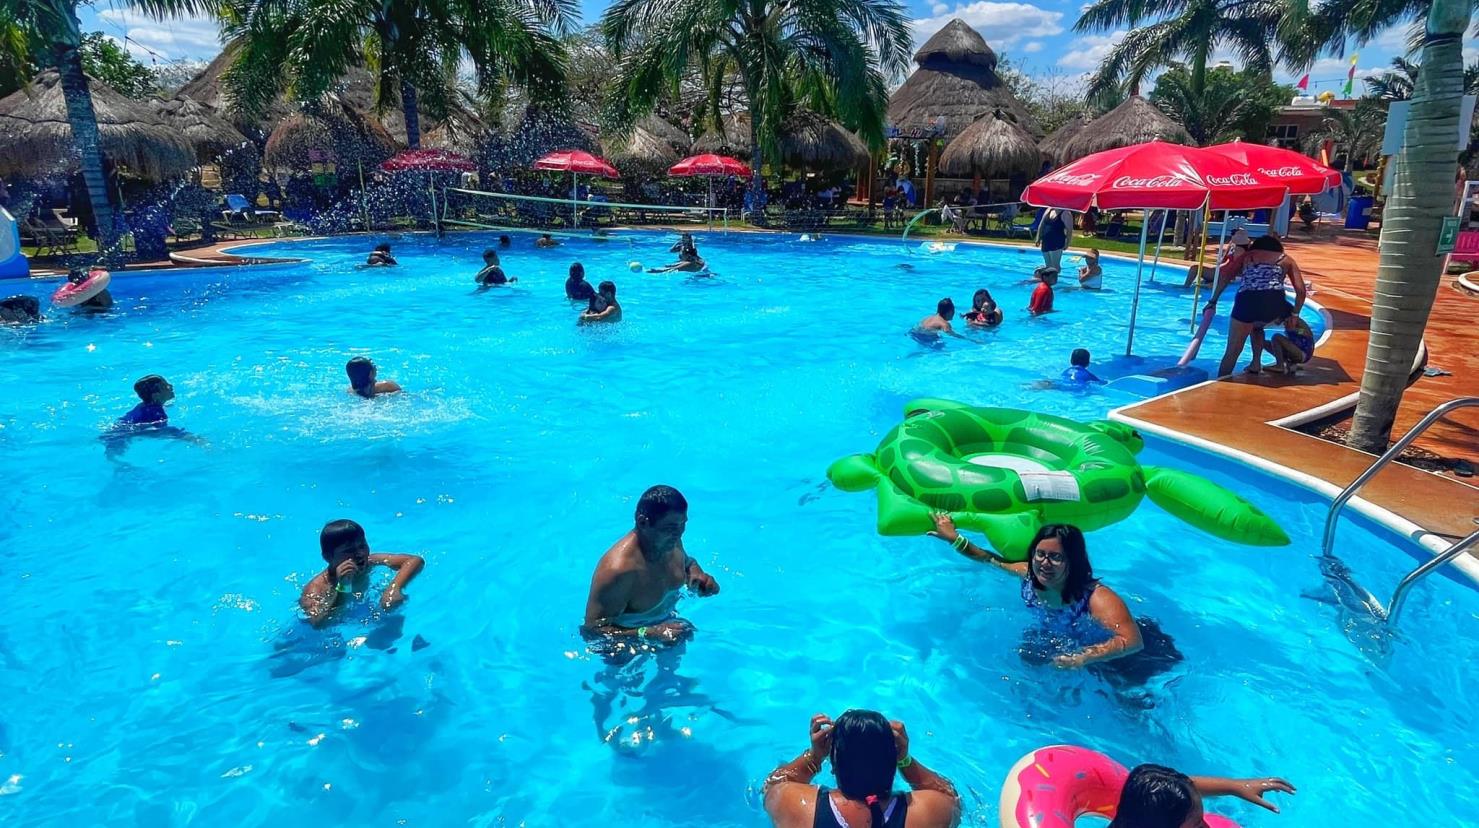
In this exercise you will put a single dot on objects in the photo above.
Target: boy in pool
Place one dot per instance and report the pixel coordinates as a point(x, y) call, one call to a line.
point(983, 313)
point(20, 310)
point(362, 382)
point(347, 576)
point(154, 391)
point(1077, 373)
point(380, 256)
point(505, 241)
point(101, 301)
point(1295, 346)
point(929, 328)
point(492, 273)
point(1042, 295)
point(546, 240)
point(603, 306)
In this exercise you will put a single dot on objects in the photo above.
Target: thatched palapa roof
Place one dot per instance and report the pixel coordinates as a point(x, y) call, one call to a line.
point(956, 81)
point(210, 134)
point(993, 146)
point(732, 139)
point(1135, 121)
point(813, 142)
point(329, 131)
point(36, 135)
point(652, 144)
point(1052, 146)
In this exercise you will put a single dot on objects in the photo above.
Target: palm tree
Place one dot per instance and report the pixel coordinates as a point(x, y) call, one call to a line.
point(49, 33)
point(1356, 132)
point(1408, 276)
point(1233, 104)
point(1164, 32)
point(830, 56)
point(1397, 84)
point(413, 46)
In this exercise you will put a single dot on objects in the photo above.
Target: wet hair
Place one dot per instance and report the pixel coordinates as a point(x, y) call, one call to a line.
point(607, 289)
point(577, 269)
point(1080, 572)
point(945, 307)
point(864, 759)
point(1079, 357)
point(546, 236)
point(982, 299)
point(658, 501)
point(382, 247)
point(504, 241)
point(1093, 251)
point(20, 308)
point(338, 533)
point(360, 371)
point(148, 386)
point(1154, 796)
point(77, 275)
point(490, 253)
point(1268, 243)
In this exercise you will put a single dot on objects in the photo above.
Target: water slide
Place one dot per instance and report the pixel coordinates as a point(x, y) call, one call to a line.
point(12, 263)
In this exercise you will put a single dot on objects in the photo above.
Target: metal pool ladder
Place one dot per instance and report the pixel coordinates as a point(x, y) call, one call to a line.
point(1394, 607)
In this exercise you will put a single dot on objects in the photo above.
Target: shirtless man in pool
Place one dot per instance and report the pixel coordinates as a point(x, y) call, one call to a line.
point(639, 580)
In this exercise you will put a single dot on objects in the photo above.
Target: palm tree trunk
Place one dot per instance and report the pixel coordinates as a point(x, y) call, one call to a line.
point(413, 119)
point(1199, 68)
point(84, 122)
point(1408, 276)
point(757, 182)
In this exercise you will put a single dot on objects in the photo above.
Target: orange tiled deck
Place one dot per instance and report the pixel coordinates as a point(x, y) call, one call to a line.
point(1238, 412)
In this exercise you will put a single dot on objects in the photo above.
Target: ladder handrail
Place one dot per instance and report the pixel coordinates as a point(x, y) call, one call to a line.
point(1348, 492)
point(1394, 607)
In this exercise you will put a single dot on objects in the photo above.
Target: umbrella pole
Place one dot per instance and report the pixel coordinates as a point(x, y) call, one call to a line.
point(435, 220)
point(574, 207)
point(1159, 238)
point(1216, 271)
point(1135, 302)
point(709, 213)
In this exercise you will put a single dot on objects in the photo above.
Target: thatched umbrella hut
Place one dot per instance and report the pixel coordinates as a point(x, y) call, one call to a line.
point(329, 131)
point(812, 142)
point(732, 138)
point(1133, 122)
point(1052, 146)
point(956, 81)
point(36, 135)
point(651, 146)
point(992, 147)
point(208, 133)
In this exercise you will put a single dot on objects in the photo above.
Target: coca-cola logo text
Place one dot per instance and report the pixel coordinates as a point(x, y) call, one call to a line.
point(1281, 172)
point(1159, 182)
point(1072, 180)
point(1234, 180)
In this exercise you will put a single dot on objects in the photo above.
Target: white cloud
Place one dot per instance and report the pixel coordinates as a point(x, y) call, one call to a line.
point(176, 37)
point(1086, 52)
point(939, 8)
point(1033, 46)
point(1002, 24)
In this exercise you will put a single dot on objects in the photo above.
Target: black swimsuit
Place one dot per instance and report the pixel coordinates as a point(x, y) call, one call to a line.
point(895, 812)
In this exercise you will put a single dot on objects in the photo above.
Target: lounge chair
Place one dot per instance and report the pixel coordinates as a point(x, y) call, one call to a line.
point(239, 208)
point(1006, 221)
point(49, 241)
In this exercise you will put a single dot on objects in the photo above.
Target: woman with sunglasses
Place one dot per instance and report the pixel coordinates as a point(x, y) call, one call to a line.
point(1080, 618)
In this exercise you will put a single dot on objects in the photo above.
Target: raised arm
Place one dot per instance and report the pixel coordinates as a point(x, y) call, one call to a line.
point(933, 797)
point(1249, 790)
point(1111, 613)
point(788, 787)
point(406, 567)
point(945, 530)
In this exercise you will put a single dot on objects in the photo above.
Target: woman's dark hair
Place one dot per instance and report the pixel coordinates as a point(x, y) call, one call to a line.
point(360, 370)
point(864, 759)
point(577, 269)
point(1269, 243)
point(1154, 797)
point(981, 300)
point(337, 534)
point(382, 247)
point(1080, 573)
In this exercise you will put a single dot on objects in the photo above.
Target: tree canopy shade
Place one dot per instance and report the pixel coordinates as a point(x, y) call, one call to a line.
point(956, 80)
point(829, 56)
point(304, 47)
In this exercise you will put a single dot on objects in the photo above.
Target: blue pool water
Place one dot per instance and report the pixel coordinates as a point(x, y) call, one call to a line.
point(155, 672)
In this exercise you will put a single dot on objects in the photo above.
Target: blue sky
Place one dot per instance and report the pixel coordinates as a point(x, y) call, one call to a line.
point(1036, 36)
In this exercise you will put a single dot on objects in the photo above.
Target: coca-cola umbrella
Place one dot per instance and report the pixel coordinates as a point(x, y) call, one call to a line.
point(576, 162)
point(1300, 173)
point(709, 165)
point(425, 161)
point(1153, 176)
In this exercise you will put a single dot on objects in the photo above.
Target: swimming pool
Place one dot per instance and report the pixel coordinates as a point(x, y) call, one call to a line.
point(156, 672)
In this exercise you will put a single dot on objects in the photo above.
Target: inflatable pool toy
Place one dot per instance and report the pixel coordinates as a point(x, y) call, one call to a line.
point(75, 293)
point(13, 263)
point(634, 266)
point(936, 247)
point(1053, 786)
point(1005, 472)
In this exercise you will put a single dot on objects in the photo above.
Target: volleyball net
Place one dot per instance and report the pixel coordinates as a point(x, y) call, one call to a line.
point(562, 216)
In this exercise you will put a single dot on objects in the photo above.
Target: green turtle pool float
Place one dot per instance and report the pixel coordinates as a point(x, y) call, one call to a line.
point(1005, 472)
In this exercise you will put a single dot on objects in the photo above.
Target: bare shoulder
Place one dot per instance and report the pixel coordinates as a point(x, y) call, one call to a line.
point(932, 809)
point(1106, 600)
point(622, 558)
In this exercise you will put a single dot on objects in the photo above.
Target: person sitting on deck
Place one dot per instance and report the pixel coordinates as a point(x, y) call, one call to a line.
point(636, 586)
point(492, 273)
point(347, 574)
point(362, 382)
point(577, 289)
point(546, 240)
point(603, 306)
point(380, 256)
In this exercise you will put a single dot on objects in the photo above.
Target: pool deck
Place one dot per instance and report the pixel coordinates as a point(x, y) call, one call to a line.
point(1251, 417)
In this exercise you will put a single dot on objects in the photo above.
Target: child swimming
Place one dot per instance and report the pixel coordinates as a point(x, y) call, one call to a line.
point(492, 273)
point(380, 256)
point(154, 391)
point(362, 382)
point(346, 576)
point(1077, 373)
point(603, 306)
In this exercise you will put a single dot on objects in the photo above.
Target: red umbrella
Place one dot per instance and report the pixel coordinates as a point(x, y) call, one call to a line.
point(1300, 173)
point(577, 161)
point(428, 160)
point(710, 165)
point(1156, 175)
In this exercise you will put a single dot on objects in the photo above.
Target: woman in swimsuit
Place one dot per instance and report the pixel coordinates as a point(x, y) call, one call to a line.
point(1080, 619)
point(866, 751)
point(1260, 300)
point(983, 313)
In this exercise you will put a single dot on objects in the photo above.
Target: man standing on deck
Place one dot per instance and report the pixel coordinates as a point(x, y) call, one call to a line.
point(637, 583)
